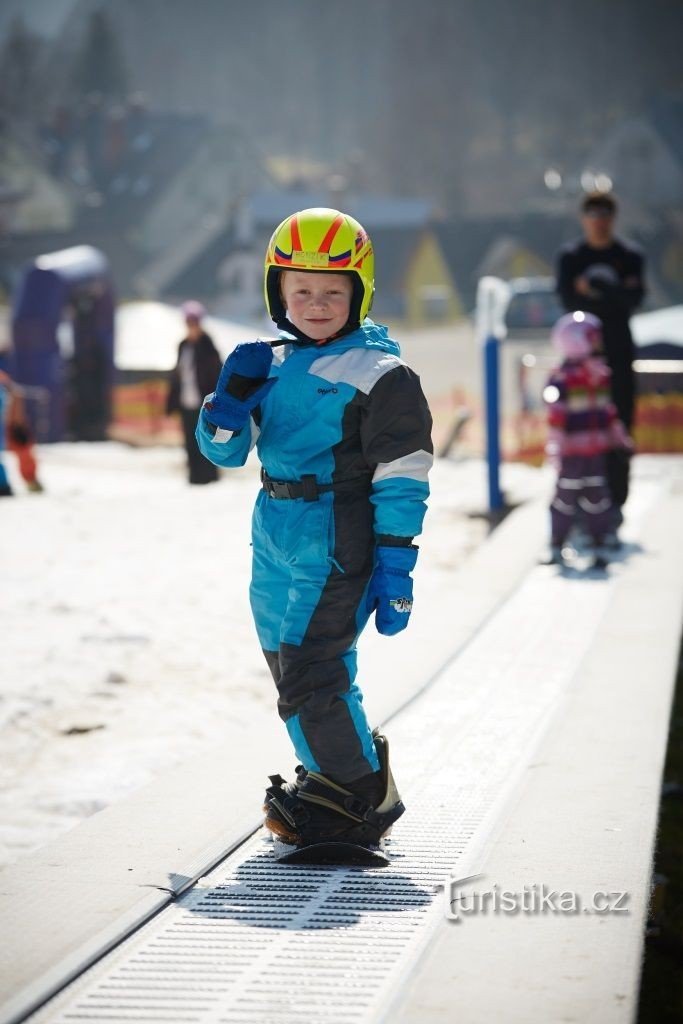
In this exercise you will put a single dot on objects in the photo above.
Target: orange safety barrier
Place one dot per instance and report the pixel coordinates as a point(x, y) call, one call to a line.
point(659, 423)
point(658, 428)
point(142, 405)
point(139, 413)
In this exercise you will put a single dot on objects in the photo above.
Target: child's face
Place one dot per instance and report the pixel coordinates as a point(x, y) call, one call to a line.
point(317, 304)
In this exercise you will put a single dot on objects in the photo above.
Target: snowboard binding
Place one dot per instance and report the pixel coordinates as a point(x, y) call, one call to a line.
point(317, 820)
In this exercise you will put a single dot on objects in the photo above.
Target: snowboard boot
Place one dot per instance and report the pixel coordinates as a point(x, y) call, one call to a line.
point(554, 556)
point(600, 557)
point(316, 809)
point(276, 819)
point(612, 541)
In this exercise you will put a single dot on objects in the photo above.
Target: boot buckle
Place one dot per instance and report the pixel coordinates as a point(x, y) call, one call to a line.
point(360, 808)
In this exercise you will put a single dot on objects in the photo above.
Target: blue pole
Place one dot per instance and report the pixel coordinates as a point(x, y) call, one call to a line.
point(492, 399)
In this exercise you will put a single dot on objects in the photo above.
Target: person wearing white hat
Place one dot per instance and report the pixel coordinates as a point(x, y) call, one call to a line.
point(195, 374)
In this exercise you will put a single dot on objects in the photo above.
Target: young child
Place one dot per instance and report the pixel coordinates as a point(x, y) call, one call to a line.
point(342, 430)
point(19, 436)
point(582, 427)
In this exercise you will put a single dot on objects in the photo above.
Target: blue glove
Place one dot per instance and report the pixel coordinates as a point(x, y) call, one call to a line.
point(391, 588)
point(242, 385)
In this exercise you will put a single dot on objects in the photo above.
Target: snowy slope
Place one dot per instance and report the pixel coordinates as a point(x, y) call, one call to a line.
point(128, 644)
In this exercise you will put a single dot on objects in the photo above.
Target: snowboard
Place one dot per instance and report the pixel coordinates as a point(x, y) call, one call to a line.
point(350, 854)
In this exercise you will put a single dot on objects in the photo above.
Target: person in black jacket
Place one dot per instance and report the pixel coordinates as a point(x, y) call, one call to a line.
point(194, 376)
point(604, 275)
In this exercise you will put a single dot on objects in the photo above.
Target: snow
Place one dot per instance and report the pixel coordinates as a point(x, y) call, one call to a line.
point(148, 333)
point(128, 645)
point(659, 325)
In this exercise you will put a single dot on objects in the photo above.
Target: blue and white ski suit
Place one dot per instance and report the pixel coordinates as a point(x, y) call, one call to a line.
point(350, 413)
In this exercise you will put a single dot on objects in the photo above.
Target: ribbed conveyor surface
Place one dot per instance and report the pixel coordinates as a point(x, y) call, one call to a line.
point(254, 941)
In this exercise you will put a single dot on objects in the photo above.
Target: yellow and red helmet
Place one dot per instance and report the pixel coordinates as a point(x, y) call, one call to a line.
point(321, 240)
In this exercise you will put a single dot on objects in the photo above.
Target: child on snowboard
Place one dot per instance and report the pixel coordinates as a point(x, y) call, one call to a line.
point(342, 430)
point(582, 427)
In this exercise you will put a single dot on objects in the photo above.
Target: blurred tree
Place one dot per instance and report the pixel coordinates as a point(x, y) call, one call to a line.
point(462, 101)
point(20, 60)
point(486, 96)
point(99, 66)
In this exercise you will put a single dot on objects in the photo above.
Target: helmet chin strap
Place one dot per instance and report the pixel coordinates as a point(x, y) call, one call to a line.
point(286, 325)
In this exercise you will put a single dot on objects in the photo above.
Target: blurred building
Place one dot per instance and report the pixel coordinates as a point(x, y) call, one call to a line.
point(643, 156)
point(513, 246)
point(135, 184)
point(413, 283)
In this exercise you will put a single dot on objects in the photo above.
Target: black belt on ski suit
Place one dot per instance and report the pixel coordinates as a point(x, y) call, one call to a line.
point(307, 488)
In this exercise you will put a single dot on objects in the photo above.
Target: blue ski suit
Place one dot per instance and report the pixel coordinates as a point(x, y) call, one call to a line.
point(350, 414)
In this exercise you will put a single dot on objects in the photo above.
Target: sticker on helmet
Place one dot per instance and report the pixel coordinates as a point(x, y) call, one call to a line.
point(317, 259)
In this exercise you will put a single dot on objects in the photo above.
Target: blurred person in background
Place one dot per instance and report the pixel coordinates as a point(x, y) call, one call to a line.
point(583, 428)
point(18, 435)
point(194, 376)
point(5, 489)
point(604, 275)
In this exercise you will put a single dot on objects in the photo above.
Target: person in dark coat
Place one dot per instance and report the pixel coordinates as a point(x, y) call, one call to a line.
point(194, 376)
point(604, 275)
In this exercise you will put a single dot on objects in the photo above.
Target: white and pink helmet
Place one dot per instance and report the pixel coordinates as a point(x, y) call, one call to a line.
point(193, 310)
point(576, 335)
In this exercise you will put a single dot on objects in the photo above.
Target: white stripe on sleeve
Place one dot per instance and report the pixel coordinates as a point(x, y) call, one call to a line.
point(415, 466)
point(222, 436)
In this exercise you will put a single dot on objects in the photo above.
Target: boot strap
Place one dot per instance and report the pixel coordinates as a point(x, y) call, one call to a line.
point(289, 806)
point(319, 790)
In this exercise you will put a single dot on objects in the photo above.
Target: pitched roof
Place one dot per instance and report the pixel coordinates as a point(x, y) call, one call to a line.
point(394, 225)
point(199, 276)
point(466, 242)
point(190, 266)
point(394, 248)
